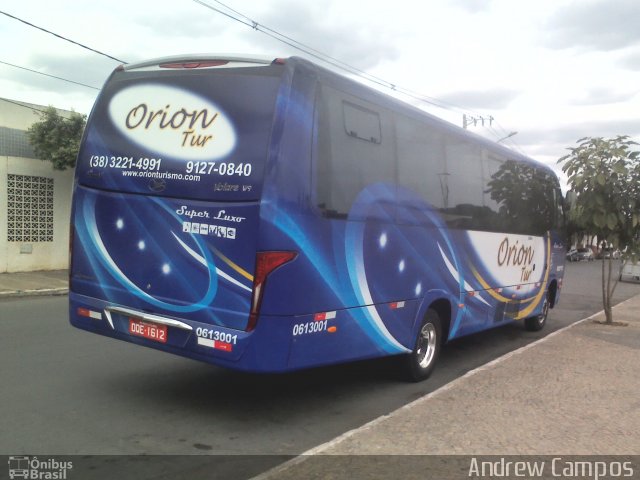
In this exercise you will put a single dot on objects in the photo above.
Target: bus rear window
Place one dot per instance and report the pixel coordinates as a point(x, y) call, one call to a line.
point(189, 134)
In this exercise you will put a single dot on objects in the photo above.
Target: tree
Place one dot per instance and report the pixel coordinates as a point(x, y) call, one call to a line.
point(57, 139)
point(522, 194)
point(604, 175)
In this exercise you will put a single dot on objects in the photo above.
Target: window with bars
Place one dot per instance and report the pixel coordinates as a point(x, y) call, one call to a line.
point(30, 208)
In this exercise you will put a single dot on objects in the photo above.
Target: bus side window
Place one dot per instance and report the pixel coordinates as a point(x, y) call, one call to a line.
point(422, 171)
point(355, 149)
point(464, 207)
point(362, 123)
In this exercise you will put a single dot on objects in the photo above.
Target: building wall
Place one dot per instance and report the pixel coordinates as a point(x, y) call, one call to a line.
point(35, 199)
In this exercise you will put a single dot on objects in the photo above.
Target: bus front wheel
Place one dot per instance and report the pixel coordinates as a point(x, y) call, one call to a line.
point(419, 364)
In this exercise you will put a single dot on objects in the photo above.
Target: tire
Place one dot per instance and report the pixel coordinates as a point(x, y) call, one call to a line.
point(537, 323)
point(419, 364)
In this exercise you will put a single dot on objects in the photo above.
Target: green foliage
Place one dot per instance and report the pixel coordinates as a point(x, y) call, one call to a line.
point(523, 195)
point(605, 176)
point(57, 139)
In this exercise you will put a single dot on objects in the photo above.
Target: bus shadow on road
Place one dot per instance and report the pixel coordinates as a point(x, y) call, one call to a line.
point(209, 390)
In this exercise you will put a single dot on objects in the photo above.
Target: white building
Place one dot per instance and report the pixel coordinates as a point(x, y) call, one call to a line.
point(35, 199)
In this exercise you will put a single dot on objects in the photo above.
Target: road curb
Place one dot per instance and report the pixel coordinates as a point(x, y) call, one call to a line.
point(34, 293)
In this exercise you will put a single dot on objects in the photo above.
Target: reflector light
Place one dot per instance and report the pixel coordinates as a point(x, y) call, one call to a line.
point(225, 347)
point(191, 65)
point(85, 312)
point(266, 263)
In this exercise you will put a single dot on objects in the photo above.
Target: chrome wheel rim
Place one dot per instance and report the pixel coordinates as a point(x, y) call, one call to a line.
point(426, 345)
point(545, 311)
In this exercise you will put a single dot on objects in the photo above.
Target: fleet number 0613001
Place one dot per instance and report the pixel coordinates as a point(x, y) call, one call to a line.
point(217, 335)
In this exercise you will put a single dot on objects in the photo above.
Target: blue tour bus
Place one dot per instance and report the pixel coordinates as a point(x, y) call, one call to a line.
point(272, 215)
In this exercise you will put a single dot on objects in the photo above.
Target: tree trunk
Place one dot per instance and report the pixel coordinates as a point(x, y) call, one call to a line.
point(608, 288)
point(606, 299)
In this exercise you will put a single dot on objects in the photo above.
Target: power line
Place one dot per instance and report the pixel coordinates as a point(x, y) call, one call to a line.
point(301, 46)
point(63, 38)
point(247, 21)
point(289, 41)
point(48, 75)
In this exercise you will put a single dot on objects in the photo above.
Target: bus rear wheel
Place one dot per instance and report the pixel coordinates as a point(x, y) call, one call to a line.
point(419, 364)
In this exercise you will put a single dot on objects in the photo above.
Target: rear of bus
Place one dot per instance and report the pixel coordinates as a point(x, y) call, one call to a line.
point(166, 207)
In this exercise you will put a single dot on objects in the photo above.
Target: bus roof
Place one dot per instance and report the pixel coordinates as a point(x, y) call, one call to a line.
point(208, 60)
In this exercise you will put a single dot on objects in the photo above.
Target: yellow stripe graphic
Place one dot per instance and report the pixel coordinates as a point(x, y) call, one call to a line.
point(233, 265)
point(491, 291)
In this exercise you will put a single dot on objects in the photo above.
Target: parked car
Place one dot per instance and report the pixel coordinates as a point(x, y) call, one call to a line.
point(585, 254)
point(609, 253)
point(572, 255)
point(630, 272)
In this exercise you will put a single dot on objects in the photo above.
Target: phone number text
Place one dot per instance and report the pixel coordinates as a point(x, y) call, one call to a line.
point(125, 163)
point(219, 168)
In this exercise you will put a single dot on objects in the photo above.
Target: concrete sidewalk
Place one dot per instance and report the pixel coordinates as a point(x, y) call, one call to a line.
point(574, 392)
point(20, 284)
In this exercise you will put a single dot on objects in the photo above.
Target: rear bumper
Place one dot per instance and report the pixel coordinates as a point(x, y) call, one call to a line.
point(278, 343)
point(265, 349)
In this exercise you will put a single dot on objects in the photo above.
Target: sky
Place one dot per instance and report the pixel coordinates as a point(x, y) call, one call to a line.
point(553, 71)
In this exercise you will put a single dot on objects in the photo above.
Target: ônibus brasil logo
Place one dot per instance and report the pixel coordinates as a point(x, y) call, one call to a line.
point(21, 466)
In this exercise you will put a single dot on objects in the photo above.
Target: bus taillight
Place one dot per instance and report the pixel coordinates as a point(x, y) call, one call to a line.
point(266, 262)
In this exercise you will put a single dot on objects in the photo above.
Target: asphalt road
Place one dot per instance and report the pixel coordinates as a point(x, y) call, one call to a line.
point(68, 392)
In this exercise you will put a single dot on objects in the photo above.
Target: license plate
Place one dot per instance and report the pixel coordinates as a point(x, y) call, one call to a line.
point(152, 331)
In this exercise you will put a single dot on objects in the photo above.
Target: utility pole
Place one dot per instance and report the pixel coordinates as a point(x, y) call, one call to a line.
point(469, 119)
